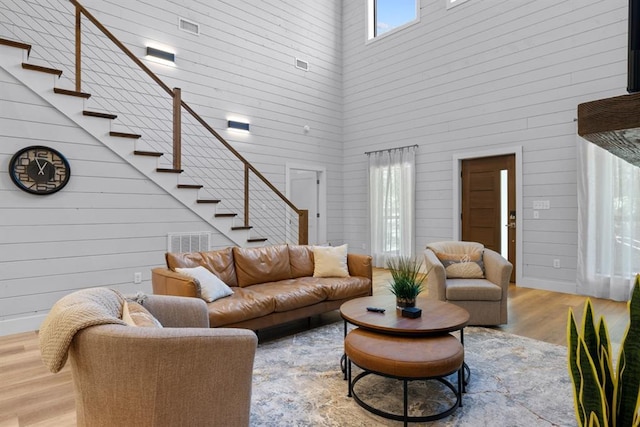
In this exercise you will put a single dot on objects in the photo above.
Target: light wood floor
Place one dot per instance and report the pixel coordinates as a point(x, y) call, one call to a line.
point(31, 396)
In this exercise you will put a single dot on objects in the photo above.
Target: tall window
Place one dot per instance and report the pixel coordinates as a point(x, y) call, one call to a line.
point(608, 223)
point(392, 203)
point(387, 15)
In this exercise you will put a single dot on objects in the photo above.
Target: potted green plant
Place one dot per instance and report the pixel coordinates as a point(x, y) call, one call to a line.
point(604, 395)
point(406, 280)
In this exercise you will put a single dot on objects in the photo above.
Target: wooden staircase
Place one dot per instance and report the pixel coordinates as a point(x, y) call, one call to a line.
point(115, 140)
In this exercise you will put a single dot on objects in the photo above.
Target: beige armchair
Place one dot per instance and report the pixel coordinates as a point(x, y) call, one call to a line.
point(184, 373)
point(484, 298)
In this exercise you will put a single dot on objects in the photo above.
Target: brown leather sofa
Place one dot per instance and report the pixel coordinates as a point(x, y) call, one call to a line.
point(271, 285)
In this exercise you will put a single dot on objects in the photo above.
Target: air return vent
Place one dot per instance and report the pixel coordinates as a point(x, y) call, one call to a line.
point(303, 65)
point(188, 242)
point(188, 26)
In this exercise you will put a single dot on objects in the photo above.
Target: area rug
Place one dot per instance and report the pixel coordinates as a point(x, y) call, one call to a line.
point(515, 381)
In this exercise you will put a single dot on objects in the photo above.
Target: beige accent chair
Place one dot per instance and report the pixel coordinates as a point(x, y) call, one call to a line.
point(484, 298)
point(184, 373)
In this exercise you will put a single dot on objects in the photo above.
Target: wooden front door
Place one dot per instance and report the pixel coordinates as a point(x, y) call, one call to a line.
point(485, 216)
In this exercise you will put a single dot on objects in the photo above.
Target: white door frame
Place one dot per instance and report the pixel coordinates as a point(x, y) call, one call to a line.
point(457, 194)
point(322, 193)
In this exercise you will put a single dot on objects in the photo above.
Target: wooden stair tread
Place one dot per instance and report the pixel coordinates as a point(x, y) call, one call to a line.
point(257, 239)
point(242, 227)
point(207, 201)
point(125, 135)
point(169, 170)
point(99, 114)
point(71, 93)
point(16, 44)
point(196, 186)
point(225, 215)
point(148, 153)
point(41, 69)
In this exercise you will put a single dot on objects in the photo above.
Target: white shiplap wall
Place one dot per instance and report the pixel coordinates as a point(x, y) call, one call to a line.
point(483, 76)
point(110, 222)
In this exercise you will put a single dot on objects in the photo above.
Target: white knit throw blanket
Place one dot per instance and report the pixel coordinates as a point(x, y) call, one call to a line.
point(72, 313)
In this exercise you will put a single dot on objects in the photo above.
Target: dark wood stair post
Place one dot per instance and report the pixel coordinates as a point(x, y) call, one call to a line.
point(177, 128)
point(303, 227)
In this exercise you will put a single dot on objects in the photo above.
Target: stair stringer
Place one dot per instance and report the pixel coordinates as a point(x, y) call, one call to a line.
point(11, 60)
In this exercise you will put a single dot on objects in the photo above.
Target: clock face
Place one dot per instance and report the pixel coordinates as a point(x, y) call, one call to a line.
point(39, 170)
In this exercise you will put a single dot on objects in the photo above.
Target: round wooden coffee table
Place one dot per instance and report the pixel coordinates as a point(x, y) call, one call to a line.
point(437, 317)
point(437, 320)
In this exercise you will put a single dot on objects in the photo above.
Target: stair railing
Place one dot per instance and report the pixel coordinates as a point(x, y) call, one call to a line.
point(178, 104)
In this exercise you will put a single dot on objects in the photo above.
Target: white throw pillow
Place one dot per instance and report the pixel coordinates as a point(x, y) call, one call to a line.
point(330, 261)
point(211, 287)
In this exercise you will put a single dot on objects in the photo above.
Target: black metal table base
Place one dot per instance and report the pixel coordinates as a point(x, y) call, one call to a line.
point(457, 392)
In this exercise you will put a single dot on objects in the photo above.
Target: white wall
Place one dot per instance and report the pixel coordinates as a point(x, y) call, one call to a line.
point(485, 75)
point(110, 221)
point(482, 76)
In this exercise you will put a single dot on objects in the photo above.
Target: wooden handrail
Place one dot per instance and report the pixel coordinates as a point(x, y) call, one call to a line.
point(177, 104)
point(122, 47)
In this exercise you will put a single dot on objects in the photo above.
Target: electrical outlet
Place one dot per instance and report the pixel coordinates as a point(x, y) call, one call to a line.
point(556, 263)
point(536, 215)
point(137, 277)
point(546, 204)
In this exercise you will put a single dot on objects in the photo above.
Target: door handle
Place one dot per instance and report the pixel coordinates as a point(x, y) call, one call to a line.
point(511, 225)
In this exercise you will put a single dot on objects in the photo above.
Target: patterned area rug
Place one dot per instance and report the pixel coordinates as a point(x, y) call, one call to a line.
point(515, 381)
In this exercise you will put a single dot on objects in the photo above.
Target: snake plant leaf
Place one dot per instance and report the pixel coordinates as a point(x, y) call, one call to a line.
point(591, 394)
point(593, 421)
point(607, 378)
point(576, 378)
point(626, 402)
point(589, 334)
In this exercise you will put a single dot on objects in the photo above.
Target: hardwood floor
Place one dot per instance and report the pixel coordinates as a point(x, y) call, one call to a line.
point(31, 396)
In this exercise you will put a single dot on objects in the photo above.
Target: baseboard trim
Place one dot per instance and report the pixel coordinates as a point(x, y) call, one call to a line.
point(21, 325)
point(548, 285)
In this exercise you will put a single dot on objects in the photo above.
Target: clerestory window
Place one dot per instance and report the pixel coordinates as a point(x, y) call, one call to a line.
point(386, 16)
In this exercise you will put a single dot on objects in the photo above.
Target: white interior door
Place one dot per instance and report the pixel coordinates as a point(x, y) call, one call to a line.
point(303, 192)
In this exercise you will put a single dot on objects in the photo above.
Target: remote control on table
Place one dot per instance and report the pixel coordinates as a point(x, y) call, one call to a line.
point(375, 309)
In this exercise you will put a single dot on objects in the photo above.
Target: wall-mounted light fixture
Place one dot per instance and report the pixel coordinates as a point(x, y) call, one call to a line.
point(161, 54)
point(233, 124)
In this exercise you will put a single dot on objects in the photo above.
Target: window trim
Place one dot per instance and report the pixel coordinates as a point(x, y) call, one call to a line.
point(371, 22)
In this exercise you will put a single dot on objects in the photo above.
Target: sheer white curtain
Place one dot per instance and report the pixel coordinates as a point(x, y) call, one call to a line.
point(392, 203)
point(608, 223)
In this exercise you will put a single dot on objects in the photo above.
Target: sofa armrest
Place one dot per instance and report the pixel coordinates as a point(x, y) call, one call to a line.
point(437, 278)
point(195, 376)
point(178, 312)
point(167, 282)
point(497, 269)
point(360, 265)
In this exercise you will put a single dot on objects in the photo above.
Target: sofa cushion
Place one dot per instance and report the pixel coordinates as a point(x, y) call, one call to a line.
point(211, 287)
point(472, 290)
point(292, 293)
point(460, 259)
point(330, 261)
point(219, 262)
point(301, 260)
point(338, 288)
point(261, 265)
point(135, 314)
point(244, 304)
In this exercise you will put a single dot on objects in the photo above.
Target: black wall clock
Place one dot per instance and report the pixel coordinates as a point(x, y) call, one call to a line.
point(39, 170)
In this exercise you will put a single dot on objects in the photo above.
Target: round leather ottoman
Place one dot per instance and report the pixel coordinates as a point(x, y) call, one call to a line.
point(407, 359)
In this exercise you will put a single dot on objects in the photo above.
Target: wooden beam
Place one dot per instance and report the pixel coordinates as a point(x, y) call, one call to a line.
point(613, 124)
